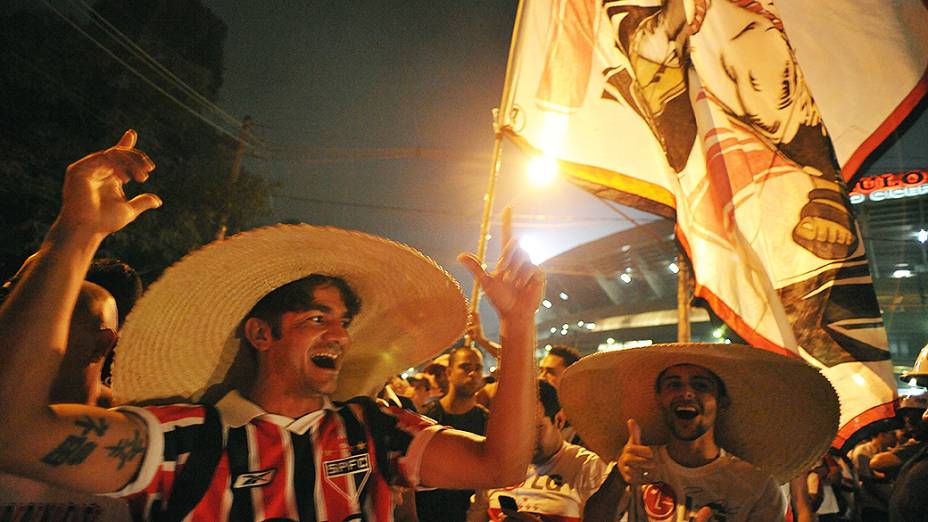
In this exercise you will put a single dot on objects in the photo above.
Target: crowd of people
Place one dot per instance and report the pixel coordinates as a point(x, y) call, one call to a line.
point(241, 391)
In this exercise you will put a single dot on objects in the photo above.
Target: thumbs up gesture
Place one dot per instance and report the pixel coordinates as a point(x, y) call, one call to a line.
point(636, 462)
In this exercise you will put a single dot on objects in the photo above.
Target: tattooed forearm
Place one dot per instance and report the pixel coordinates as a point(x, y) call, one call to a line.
point(76, 448)
point(127, 449)
point(98, 426)
point(73, 450)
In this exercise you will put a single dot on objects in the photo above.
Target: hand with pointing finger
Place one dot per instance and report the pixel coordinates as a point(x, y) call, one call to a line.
point(93, 200)
point(636, 462)
point(516, 286)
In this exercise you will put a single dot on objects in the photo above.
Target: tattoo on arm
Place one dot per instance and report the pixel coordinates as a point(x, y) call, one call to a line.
point(127, 449)
point(72, 451)
point(75, 449)
point(88, 425)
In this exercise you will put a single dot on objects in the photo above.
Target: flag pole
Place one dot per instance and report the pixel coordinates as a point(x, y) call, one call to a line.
point(683, 298)
point(499, 117)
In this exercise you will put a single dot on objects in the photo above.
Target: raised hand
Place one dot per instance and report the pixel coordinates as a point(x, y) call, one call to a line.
point(93, 199)
point(636, 462)
point(516, 287)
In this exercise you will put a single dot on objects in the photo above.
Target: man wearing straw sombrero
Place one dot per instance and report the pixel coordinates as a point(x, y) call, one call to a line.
point(701, 431)
point(232, 361)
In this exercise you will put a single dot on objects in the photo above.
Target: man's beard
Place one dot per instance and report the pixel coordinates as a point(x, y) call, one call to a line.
point(698, 430)
point(694, 434)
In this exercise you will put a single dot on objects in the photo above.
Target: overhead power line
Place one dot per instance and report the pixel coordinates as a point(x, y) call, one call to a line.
point(140, 75)
point(100, 21)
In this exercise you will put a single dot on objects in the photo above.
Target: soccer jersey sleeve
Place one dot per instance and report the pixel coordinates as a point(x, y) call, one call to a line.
point(400, 437)
point(171, 432)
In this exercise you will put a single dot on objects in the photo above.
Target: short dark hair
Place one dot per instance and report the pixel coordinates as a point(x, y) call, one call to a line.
point(452, 355)
point(547, 395)
point(120, 280)
point(297, 296)
point(719, 383)
point(569, 354)
point(441, 375)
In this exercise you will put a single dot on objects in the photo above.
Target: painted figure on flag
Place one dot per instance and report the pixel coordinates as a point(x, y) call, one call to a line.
point(721, 75)
point(767, 101)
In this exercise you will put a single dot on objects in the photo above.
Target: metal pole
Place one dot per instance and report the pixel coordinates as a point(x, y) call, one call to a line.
point(487, 211)
point(499, 117)
point(233, 177)
point(683, 298)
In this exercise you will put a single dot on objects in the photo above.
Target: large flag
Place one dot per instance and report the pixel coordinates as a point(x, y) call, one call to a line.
point(743, 120)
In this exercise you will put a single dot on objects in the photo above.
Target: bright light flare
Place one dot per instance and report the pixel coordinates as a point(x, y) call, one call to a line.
point(536, 249)
point(542, 170)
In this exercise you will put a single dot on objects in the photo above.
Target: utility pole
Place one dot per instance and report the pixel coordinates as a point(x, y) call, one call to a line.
point(233, 178)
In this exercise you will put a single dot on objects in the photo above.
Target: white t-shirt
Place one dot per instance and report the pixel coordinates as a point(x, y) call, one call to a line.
point(557, 489)
point(27, 500)
point(735, 489)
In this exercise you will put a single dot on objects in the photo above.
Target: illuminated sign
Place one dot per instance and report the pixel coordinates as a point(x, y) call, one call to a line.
point(892, 185)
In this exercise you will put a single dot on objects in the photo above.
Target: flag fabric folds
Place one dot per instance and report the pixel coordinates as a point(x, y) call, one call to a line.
point(743, 120)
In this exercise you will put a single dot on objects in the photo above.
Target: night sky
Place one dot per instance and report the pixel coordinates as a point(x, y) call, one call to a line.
point(386, 78)
point(353, 74)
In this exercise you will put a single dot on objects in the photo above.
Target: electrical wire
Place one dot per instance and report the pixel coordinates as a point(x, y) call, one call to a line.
point(141, 76)
point(101, 22)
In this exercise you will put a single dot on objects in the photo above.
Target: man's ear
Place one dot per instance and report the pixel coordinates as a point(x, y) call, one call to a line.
point(104, 341)
point(724, 402)
point(258, 333)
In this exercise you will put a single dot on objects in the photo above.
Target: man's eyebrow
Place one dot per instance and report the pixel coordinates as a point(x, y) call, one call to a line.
point(317, 307)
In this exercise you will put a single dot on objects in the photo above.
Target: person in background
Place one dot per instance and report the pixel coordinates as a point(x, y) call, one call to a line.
point(559, 481)
point(553, 364)
point(550, 369)
point(91, 337)
point(874, 486)
point(125, 285)
point(889, 461)
point(458, 409)
point(909, 499)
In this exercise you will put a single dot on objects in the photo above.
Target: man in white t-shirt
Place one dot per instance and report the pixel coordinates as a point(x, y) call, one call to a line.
point(683, 431)
point(560, 479)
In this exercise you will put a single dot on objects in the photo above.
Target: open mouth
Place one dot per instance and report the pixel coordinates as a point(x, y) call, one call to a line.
point(686, 412)
point(324, 360)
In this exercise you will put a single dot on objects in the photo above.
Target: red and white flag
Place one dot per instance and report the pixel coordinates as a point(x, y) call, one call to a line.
point(714, 112)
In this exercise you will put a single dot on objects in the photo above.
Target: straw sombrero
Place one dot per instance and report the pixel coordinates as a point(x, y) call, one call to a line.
point(782, 417)
point(919, 371)
point(179, 342)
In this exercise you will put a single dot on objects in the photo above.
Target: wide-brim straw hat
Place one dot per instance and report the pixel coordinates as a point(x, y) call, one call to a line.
point(919, 371)
point(180, 343)
point(782, 417)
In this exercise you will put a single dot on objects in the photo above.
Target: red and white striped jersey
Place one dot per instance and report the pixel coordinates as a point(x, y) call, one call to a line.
point(334, 464)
